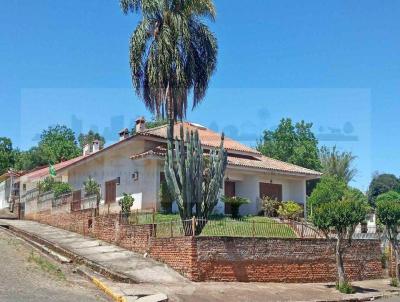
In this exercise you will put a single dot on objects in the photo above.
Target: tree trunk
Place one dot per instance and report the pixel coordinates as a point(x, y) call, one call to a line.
point(339, 262)
point(396, 259)
point(170, 115)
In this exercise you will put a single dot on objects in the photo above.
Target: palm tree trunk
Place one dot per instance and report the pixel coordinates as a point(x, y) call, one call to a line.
point(339, 261)
point(170, 115)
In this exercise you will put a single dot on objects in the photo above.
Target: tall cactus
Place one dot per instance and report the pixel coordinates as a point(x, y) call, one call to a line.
point(194, 179)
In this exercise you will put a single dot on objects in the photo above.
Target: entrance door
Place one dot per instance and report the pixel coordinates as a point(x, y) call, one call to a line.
point(76, 200)
point(111, 191)
point(271, 190)
point(230, 191)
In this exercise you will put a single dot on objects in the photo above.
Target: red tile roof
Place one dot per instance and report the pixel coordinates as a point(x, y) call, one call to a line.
point(256, 162)
point(208, 137)
point(45, 171)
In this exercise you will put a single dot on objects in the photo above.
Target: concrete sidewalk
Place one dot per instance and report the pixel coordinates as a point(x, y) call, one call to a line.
point(111, 257)
point(153, 277)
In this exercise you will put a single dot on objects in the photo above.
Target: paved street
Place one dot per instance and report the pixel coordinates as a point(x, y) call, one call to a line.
point(31, 277)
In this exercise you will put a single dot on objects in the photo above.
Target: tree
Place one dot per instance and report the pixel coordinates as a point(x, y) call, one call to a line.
point(172, 54)
point(6, 154)
point(337, 163)
point(382, 183)
point(166, 198)
point(27, 160)
point(329, 189)
point(88, 138)
point(388, 213)
point(341, 216)
point(293, 144)
point(126, 202)
point(57, 144)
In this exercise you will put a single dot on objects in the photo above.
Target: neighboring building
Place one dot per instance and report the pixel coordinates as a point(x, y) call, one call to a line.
point(135, 165)
point(9, 188)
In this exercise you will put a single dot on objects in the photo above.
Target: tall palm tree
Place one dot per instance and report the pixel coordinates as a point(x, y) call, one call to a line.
point(172, 54)
point(337, 163)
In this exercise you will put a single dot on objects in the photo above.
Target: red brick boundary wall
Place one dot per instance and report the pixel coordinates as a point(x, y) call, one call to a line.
point(228, 258)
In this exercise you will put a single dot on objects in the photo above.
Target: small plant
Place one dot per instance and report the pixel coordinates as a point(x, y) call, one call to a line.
point(345, 288)
point(166, 198)
point(91, 188)
point(394, 282)
point(126, 203)
point(235, 202)
point(290, 210)
point(270, 206)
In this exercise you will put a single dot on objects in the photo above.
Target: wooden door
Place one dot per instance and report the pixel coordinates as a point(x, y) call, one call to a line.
point(271, 190)
point(76, 200)
point(230, 191)
point(111, 191)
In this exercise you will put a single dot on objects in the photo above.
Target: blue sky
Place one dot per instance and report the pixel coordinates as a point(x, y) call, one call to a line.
point(333, 63)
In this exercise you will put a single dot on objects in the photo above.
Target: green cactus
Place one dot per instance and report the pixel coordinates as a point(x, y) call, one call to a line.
point(194, 179)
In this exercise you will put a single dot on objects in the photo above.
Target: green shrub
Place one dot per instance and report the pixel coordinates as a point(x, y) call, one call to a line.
point(61, 188)
point(345, 288)
point(290, 210)
point(126, 203)
point(235, 202)
point(46, 185)
point(270, 206)
point(394, 282)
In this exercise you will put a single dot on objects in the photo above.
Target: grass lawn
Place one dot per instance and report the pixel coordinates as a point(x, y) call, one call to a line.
point(249, 226)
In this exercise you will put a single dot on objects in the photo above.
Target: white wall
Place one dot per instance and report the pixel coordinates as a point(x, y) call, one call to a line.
point(3, 200)
point(110, 165)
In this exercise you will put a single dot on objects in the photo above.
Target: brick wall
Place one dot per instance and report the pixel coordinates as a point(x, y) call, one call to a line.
point(227, 258)
point(180, 253)
point(283, 260)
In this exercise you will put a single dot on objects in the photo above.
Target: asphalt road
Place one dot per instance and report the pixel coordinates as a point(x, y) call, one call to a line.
point(28, 276)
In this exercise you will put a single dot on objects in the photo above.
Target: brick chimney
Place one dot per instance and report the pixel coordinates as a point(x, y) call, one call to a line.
point(140, 124)
point(123, 134)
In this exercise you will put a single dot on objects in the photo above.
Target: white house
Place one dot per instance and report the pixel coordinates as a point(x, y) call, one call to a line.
point(135, 165)
point(9, 188)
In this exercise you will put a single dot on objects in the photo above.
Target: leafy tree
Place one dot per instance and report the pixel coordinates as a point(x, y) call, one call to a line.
point(6, 154)
point(329, 189)
point(382, 183)
point(57, 144)
point(27, 160)
point(388, 213)
point(88, 138)
point(172, 54)
point(290, 210)
point(295, 144)
point(341, 216)
point(49, 184)
point(235, 202)
point(337, 163)
point(155, 122)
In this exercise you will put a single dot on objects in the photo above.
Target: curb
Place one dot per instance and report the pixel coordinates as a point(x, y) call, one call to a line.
point(119, 296)
point(364, 299)
point(115, 276)
point(102, 286)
